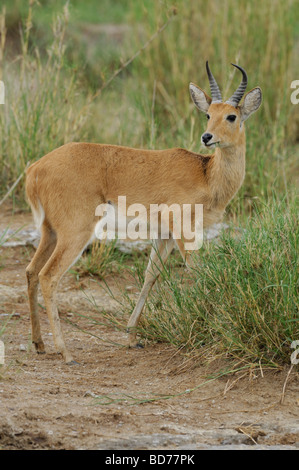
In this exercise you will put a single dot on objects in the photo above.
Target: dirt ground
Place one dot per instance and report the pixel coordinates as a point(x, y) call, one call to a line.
point(110, 399)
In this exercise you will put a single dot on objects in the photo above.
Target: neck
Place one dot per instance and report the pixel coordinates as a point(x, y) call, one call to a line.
point(227, 172)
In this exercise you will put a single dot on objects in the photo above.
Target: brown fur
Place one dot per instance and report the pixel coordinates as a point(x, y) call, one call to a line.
point(71, 181)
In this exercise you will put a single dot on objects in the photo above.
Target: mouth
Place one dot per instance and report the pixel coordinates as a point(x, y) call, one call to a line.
point(212, 143)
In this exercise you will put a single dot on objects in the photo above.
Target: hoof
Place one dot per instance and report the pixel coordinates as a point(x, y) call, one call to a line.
point(135, 345)
point(39, 347)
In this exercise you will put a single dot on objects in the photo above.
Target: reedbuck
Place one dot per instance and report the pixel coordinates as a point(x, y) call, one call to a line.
point(65, 187)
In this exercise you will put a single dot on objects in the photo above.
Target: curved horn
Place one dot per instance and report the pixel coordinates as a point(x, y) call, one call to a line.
point(215, 91)
point(239, 93)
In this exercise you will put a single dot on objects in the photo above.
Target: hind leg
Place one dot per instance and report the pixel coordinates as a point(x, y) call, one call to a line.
point(65, 254)
point(42, 254)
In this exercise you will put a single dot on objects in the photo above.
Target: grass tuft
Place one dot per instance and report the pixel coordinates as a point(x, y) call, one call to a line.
point(241, 301)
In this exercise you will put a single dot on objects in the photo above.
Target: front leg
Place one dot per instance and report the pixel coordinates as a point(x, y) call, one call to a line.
point(159, 254)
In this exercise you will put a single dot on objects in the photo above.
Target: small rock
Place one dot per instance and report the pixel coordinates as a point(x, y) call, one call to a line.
point(90, 394)
point(17, 431)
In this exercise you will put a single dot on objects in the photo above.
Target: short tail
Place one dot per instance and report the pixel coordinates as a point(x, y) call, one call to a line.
point(32, 197)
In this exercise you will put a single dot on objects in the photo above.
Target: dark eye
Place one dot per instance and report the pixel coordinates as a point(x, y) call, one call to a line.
point(208, 116)
point(231, 117)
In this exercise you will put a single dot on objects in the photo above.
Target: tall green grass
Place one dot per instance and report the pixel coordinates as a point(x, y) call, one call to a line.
point(241, 300)
point(43, 108)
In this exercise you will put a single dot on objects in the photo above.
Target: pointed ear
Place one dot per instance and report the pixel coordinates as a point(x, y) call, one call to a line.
point(201, 100)
point(251, 103)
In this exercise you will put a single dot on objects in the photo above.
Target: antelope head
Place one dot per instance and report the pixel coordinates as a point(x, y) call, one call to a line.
point(225, 120)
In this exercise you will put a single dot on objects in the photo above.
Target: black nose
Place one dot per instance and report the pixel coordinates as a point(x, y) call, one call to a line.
point(206, 137)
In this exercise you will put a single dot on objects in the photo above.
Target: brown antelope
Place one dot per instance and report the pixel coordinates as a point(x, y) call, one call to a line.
point(65, 187)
